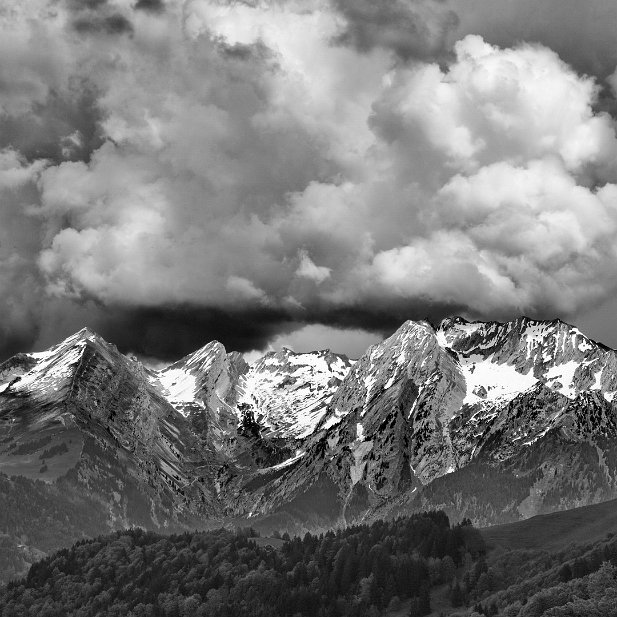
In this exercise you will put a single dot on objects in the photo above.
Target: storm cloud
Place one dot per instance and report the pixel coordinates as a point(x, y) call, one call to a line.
point(417, 29)
point(245, 171)
point(151, 6)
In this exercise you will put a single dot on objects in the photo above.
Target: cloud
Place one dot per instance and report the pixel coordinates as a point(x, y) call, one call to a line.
point(241, 171)
point(44, 98)
point(582, 33)
point(110, 24)
point(309, 270)
point(496, 105)
point(19, 240)
point(169, 333)
point(410, 28)
point(150, 6)
point(244, 290)
point(505, 195)
point(351, 342)
point(98, 17)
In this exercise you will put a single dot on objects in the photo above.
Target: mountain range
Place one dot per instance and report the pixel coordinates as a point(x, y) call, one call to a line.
point(490, 421)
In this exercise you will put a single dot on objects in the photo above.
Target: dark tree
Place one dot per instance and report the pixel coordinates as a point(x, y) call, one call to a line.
point(565, 573)
point(456, 595)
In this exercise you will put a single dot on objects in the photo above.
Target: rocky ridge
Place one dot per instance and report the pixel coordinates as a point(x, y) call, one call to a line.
point(427, 403)
point(525, 408)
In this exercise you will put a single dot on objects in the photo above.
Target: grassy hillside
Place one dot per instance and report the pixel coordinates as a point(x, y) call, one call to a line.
point(557, 530)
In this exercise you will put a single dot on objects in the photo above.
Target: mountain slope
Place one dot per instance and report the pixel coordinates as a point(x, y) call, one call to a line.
point(85, 410)
point(425, 404)
point(491, 421)
point(557, 530)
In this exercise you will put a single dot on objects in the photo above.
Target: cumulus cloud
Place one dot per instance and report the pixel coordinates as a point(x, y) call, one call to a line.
point(582, 33)
point(309, 270)
point(499, 197)
point(240, 170)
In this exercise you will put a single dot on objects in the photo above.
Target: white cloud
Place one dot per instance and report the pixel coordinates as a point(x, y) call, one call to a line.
point(243, 289)
point(351, 342)
point(471, 187)
point(309, 270)
point(494, 173)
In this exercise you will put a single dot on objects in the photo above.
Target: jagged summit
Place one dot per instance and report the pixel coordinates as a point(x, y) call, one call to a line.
point(201, 355)
point(520, 321)
point(459, 327)
point(288, 354)
point(411, 327)
point(52, 370)
point(85, 334)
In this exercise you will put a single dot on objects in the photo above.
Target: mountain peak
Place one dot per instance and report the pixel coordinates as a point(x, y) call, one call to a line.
point(452, 321)
point(419, 327)
point(78, 339)
point(520, 322)
point(87, 333)
point(202, 357)
point(211, 348)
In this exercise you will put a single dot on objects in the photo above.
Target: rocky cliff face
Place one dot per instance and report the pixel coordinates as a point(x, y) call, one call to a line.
point(428, 403)
point(85, 411)
point(488, 420)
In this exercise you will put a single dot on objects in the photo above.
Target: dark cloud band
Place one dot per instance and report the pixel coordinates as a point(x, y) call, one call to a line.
point(114, 24)
point(150, 6)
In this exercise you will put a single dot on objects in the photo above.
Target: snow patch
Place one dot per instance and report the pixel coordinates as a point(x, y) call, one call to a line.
point(499, 381)
point(563, 374)
point(178, 385)
point(287, 463)
point(585, 345)
point(331, 421)
point(289, 393)
point(54, 367)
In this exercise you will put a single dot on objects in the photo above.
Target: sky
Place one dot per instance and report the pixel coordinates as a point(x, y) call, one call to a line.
point(308, 173)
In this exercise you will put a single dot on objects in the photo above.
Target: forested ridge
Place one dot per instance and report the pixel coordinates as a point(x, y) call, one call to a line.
point(578, 581)
point(360, 570)
point(39, 517)
point(409, 566)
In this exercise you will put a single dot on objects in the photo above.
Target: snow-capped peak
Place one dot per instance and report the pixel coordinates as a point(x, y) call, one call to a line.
point(49, 370)
point(288, 392)
point(504, 359)
point(193, 381)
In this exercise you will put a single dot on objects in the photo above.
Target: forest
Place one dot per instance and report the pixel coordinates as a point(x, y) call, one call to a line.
point(576, 581)
point(408, 567)
point(37, 517)
point(359, 570)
